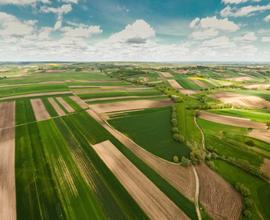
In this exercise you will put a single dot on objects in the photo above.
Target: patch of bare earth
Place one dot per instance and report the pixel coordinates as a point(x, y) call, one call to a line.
point(180, 177)
point(188, 91)
point(266, 168)
point(130, 105)
point(199, 83)
point(239, 100)
point(122, 97)
point(257, 86)
point(65, 104)
point(35, 95)
point(56, 107)
point(173, 83)
point(79, 101)
point(154, 202)
point(229, 120)
point(165, 74)
point(40, 110)
point(7, 161)
point(260, 134)
point(219, 198)
point(240, 78)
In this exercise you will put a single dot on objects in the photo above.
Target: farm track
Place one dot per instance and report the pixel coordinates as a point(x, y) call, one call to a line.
point(79, 101)
point(7, 161)
point(179, 177)
point(153, 201)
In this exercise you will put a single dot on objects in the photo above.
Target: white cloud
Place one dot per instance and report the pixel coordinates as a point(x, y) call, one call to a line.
point(204, 34)
point(81, 31)
point(246, 38)
point(250, 10)
point(12, 26)
point(265, 39)
point(238, 1)
point(219, 43)
point(267, 18)
point(215, 23)
point(71, 1)
point(138, 32)
point(60, 11)
point(22, 2)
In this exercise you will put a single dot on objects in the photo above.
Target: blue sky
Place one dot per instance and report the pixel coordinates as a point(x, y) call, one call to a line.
point(141, 30)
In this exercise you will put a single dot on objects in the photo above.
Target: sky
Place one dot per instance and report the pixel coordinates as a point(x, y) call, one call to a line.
point(135, 30)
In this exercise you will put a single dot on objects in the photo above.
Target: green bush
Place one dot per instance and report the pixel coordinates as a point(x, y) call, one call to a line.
point(175, 159)
point(185, 162)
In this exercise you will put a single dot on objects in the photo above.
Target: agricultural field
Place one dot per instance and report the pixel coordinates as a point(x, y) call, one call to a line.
point(134, 141)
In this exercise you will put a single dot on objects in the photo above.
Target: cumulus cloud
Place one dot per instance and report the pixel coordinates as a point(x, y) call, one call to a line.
point(22, 2)
point(60, 11)
point(12, 26)
point(80, 31)
point(238, 1)
point(204, 34)
point(219, 43)
point(71, 1)
point(215, 23)
point(138, 32)
point(246, 38)
point(265, 39)
point(267, 18)
point(249, 10)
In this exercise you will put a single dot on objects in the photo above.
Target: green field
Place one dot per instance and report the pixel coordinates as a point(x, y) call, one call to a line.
point(260, 190)
point(151, 129)
point(61, 186)
point(260, 116)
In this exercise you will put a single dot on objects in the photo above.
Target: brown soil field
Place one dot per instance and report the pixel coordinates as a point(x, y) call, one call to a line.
point(239, 100)
point(233, 121)
point(40, 110)
point(122, 97)
point(174, 84)
point(165, 74)
point(95, 89)
point(7, 161)
point(219, 199)
point(65, 104)
point(79, 101)
point(199, 83)
point(261, 134)
point(266, 168)
point(154, 202)
point(180, 177)
point(56, 107)
point(130, 105)
point(35, 95)
point(257, 86)
point(188, 91)
point(240, 78)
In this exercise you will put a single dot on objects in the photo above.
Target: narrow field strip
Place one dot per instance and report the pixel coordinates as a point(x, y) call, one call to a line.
point(56, 107)
point(174, 84)
point(68, 108)
point(36, 95)
point(263, 135)
point(154, 202)
point(130, 105)
point(40, 110)
point(7, 161)
point(231, 120)
point(79, 101)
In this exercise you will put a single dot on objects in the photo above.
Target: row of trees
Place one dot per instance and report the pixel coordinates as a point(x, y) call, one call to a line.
point(247, 200)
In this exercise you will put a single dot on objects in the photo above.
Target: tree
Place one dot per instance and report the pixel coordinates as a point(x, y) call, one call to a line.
point(247, 213)
point(185, 162)
point(175, 159)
